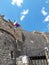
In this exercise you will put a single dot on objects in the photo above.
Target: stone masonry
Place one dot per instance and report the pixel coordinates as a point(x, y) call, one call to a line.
point(8, 45)
point(17, 44)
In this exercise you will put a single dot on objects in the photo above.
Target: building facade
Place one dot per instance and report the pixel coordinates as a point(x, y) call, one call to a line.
point(9, 39)
point(18, 47)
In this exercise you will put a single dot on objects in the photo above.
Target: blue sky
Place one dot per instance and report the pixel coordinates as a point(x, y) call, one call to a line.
point(30, 14)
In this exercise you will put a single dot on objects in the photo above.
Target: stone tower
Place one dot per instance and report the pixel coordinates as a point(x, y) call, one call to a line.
point(9, 38)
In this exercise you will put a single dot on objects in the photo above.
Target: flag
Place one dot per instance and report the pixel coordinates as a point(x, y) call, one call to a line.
point(16, 24)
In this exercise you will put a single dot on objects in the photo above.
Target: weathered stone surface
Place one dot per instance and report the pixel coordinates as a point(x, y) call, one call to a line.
point(8, 27)
point(35, 43)
point(9, 48)
point(15, 43)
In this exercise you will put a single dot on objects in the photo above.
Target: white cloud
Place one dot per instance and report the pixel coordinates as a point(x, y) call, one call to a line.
point(22, 17)
point(17, 2)
point(23, 14)
point(43, 11)
point(46, 19)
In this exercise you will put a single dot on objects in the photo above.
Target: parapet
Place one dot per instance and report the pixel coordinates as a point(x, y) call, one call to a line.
point(9, 27)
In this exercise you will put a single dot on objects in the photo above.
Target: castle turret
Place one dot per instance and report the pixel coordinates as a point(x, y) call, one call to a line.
point(8, 45)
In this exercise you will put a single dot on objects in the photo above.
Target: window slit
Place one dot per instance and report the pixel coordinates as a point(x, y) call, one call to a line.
point(11, 54)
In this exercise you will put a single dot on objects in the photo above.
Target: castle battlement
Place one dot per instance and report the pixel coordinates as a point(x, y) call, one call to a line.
point(8, 26)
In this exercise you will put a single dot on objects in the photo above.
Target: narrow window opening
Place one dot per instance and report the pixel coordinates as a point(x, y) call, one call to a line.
point(11, 54)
